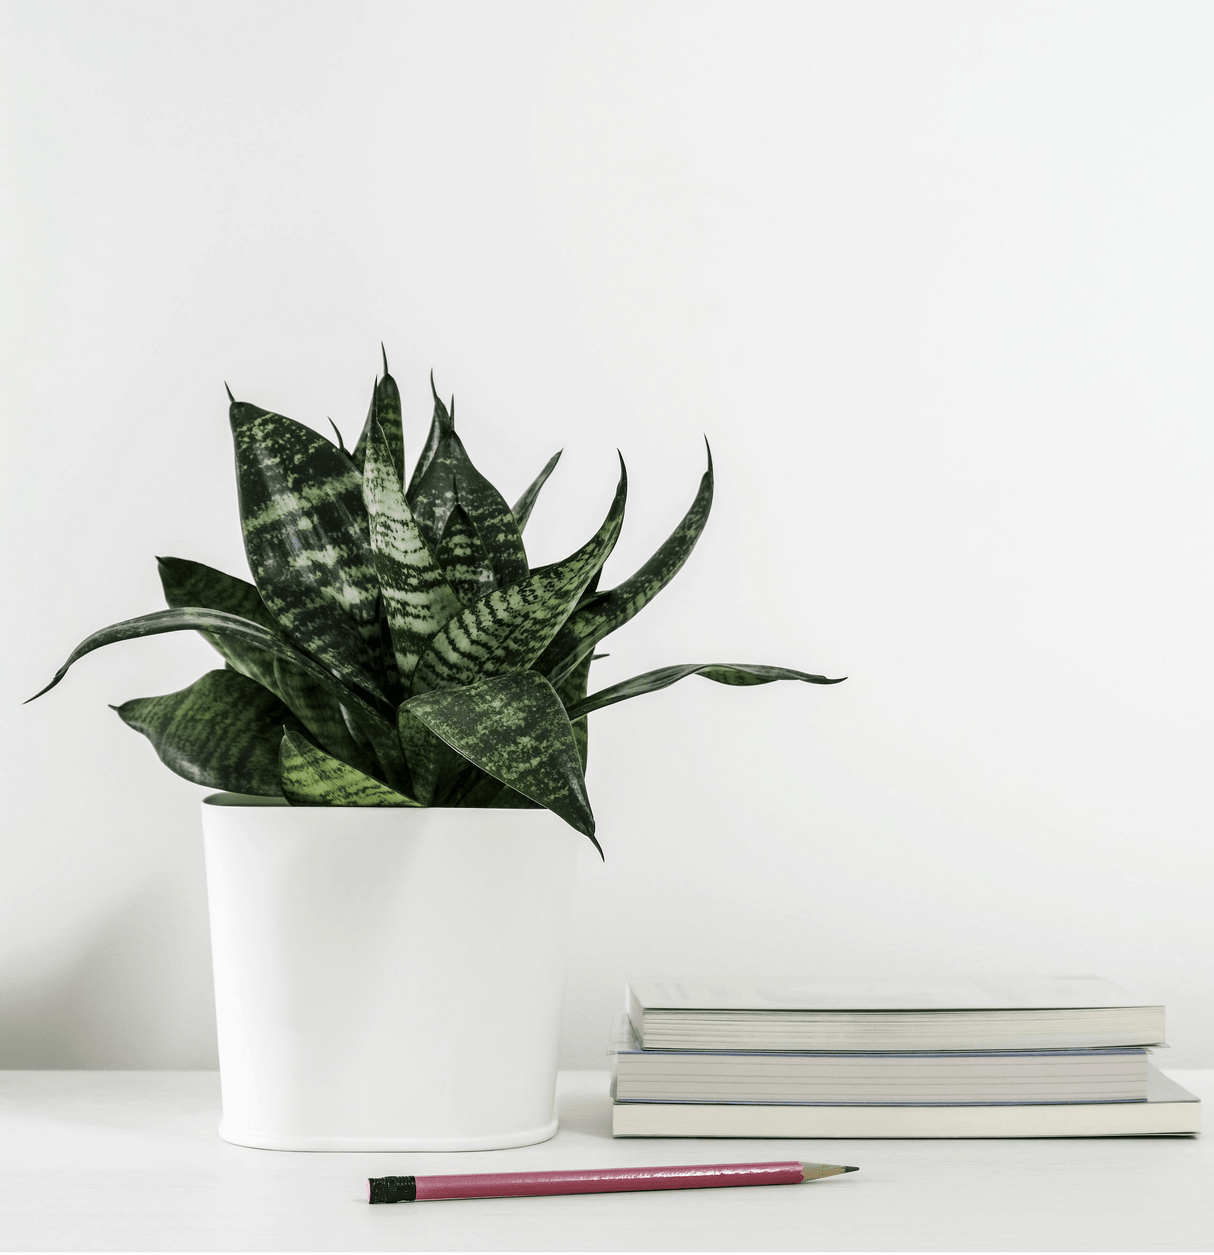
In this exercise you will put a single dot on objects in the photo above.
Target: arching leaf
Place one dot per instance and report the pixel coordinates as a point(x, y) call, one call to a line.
point(188, 583)
point(222, 731)
point(602, 613)
point(229, 627)
point(722, 672)
point(526, 503)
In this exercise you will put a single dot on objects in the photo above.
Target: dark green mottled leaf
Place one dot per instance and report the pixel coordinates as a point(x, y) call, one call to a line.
point(491, 794)
point(604, 612)
point(187, 583)
point(417, 599)
point(508, 629)
point(526, 503)
point(514, 728)
point(223, 731)
point(433, 765)
point(722, 672)
point(310, 777)
point(306, 539)
point(319, 712)
point(431, 494)
point(230, 627)
point(384, 410)
point(441, 423)
point(571, 690)
point(494, 521)
point(464, 560)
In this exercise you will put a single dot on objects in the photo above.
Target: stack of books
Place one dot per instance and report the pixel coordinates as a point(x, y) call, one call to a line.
point(999, 1057)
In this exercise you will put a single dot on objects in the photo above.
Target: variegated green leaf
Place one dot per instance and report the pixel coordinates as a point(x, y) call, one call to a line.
point(229, 627)
point(319, 712)
point(431, 494)
point(417, 598)
point(526, 503)
point(494, 521)
point(722, 672)
point(223, 731)
point(444, 478)
point(433, 765)
point(384, 410)
point(604, 612)
point(310, 777)
point(305, 534)
point(187, 583)
point(509, 629)
point(514, 728)
point(464, 560)
point(441, 423)
point(571, 690)
point(486, 793)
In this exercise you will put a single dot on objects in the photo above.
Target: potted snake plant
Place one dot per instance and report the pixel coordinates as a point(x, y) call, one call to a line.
point(399, 736)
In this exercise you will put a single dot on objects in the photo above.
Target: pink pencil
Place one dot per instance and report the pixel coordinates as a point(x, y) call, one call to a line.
point(596, 1181)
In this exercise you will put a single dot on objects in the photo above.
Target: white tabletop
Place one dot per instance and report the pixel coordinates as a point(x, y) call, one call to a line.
point(98, 1161)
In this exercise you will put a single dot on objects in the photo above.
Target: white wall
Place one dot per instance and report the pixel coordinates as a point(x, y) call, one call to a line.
point(934, 277)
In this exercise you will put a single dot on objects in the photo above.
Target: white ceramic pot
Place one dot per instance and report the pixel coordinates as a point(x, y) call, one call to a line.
point(387, 979)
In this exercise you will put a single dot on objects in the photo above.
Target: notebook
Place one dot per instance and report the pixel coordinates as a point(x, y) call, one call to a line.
point(965, 1013)
point(1117, 1074)
point(1169, 1108)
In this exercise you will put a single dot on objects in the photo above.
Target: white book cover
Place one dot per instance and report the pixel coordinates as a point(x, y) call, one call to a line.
point(957, 993)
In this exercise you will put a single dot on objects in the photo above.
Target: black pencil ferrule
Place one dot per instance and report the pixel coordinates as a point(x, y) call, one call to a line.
point(392, 1190)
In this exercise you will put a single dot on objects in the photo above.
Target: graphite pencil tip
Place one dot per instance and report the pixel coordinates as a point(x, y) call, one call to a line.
point(815, 1171)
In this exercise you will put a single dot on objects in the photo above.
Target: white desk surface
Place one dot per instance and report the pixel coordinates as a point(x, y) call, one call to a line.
point(100, 1161)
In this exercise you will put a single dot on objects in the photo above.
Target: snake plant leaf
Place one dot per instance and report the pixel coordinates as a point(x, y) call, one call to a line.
point(222, 731)
point(310, 777)
point(306, 538)
point(490, 794)
point(385, 409)
point(572, 690)
point(494, 521)
point(416, 597)
point(526, 503)
point(464, 560)
point(432, 764)
point(601, 614)
point(508, 629)
point(187, 583)
point(514, 728)
point(441, 422)
point(431, 492)
point(723, 673)
point(319, 712)
point(230, 627)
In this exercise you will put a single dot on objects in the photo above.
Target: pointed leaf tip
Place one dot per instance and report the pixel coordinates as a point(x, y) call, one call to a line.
point(384, 354)
point(229, 392)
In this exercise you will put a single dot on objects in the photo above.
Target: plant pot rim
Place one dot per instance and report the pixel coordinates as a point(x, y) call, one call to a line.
point(254, 801)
